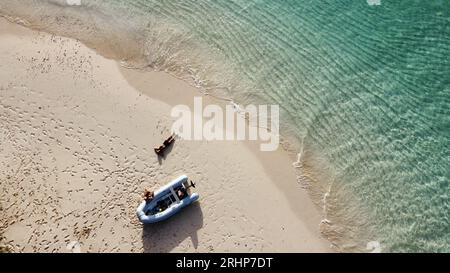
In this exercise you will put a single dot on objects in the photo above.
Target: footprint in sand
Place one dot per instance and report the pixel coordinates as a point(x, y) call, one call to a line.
point(74, 246)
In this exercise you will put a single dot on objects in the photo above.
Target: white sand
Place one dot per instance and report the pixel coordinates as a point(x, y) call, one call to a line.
point(76, 139)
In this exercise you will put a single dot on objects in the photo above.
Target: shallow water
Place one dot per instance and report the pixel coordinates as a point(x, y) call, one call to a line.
point(364, 91)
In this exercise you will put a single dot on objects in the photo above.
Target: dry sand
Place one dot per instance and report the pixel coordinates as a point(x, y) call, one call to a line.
point(76, 151)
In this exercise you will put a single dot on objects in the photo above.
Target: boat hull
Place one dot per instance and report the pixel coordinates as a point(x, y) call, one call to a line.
point(171, 210)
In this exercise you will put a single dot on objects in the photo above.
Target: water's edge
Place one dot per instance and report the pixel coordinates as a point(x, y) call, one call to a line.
point(362, 90)
point(339, 232)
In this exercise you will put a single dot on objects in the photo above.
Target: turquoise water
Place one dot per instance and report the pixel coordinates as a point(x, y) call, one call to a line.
point(364, 91)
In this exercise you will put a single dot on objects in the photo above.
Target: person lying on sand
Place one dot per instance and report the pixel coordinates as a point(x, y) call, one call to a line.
point(160, 150)
point(148, 195)
point(169, 140)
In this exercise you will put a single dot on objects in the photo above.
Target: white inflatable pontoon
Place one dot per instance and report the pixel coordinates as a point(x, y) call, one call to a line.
point(167, 201)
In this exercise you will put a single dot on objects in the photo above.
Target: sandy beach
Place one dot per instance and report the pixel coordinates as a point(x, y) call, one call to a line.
point(77, 133)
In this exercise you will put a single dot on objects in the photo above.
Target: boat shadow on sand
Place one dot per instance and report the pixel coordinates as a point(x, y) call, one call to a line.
point(165, 236)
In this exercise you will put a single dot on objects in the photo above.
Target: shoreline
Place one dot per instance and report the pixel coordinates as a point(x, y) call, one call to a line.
point(133, 93)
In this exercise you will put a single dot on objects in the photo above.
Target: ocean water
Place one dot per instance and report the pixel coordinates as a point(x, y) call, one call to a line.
point(363, 86)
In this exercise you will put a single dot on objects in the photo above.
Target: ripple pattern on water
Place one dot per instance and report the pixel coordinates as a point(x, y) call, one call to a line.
point(365, 89)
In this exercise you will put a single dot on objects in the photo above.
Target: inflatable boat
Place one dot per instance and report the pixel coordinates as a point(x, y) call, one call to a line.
point(167, 201)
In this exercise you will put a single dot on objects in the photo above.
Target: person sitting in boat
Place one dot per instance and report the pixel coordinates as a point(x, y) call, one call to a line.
point(148, 195)
point(181, 194)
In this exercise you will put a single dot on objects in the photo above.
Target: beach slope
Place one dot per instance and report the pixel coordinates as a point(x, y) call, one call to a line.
point(77, 133)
